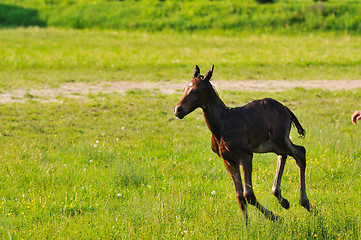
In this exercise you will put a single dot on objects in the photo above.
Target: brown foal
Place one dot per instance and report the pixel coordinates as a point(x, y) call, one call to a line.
point(260, 126)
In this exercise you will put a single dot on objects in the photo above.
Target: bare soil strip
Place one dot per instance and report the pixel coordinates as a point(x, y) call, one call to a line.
point(81, 90)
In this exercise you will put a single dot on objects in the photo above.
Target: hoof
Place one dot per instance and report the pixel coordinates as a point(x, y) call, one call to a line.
point(313, 210)
point(274, 218)
point(284, 203)
point(305, 203)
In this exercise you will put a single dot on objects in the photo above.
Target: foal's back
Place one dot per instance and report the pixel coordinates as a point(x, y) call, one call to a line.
point(262, 115)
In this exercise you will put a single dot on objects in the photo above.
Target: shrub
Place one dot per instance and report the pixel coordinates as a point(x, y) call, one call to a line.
point(19, 16)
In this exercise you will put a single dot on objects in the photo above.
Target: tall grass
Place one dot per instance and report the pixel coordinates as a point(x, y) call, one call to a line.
point(190, 16)
point(121, 166)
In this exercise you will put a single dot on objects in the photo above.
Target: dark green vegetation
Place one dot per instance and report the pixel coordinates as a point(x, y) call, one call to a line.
point(18, 16)
point(121, 166)
point(282, 16)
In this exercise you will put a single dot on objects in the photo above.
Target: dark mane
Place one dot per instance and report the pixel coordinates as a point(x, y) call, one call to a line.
point(215, 95)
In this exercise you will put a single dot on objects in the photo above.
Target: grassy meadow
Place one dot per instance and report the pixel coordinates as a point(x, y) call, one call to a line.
point(120, 166)
point(35, 57)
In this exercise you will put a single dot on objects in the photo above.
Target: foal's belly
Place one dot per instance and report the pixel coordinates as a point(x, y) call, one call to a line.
point(264, 147)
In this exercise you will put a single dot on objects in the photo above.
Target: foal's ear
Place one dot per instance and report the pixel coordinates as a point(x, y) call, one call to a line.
point(197, 72)
point(209, 74)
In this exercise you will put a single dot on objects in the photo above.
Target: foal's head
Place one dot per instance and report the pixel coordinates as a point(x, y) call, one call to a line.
point(195, 94)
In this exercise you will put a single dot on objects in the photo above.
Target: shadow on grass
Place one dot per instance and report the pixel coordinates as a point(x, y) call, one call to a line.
point(15, 16)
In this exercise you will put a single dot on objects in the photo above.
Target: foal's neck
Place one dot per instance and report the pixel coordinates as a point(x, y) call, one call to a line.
point(214, 111)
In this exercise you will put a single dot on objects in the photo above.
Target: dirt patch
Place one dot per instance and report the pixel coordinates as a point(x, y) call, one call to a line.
point(82, 90)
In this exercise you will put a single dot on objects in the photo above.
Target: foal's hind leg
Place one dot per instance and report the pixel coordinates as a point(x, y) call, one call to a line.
point(276, 189)
point(299, 154)
point(300, 157)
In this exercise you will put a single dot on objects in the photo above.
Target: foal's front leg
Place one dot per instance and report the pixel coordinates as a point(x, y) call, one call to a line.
point(233, 170)
point(248, 193)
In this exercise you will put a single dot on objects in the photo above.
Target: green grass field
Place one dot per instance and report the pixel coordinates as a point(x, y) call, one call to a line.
point(120, 166)
point(36, 57)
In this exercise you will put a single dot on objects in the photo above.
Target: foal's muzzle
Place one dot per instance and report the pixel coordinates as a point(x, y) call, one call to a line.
point(179, 112)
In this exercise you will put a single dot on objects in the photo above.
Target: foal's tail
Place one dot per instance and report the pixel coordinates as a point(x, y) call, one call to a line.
point(295, 121)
